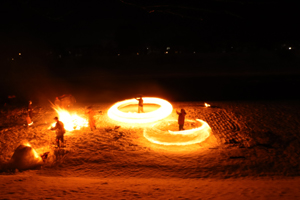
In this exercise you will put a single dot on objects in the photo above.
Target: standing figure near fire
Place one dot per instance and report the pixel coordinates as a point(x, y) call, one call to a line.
point(181, 118)
point(28, 120)
point(60, 131)
point(91, 115)
point(57, 102)
point(141, 104)
point(30, 109)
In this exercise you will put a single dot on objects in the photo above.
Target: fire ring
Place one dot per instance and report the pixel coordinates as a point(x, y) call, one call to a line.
point(160, 113)
point(186, 137)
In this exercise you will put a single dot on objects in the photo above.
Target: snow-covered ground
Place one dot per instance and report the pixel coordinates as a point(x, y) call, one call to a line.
point(253, 152)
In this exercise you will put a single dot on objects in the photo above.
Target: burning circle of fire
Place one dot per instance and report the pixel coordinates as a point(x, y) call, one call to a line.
point(160, 113)
point(185, 137)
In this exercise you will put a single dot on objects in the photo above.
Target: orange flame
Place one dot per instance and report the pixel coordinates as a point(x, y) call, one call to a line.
point(185, 137)
point(71, 121)
point(160, 113)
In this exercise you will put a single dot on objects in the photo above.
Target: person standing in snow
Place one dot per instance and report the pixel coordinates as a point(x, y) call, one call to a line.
point(141, 104)
point(60, 131)
point(181, 118)
point(28, 120)
point(91, 115)
point(30, 109)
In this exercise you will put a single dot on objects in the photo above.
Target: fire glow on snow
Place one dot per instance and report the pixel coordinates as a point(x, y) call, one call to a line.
point(71, 121)
point(33, 150)
point(185, 137)
point(162, 112)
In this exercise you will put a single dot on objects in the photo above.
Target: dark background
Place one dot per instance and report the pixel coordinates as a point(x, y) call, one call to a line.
point(112, 50)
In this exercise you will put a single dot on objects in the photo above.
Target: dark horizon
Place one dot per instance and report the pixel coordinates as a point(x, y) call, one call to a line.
point(203, 78)
point(90, 47)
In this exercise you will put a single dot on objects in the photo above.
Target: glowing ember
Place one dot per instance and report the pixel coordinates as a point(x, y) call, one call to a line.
point(163, 111)
point(71, 121)
point(185, 137)
point(207, 105)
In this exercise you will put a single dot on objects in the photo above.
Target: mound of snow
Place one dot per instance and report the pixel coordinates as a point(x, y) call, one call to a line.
point(25, 157)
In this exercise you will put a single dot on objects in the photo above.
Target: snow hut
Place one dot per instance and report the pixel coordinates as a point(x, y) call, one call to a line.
point(25, 157)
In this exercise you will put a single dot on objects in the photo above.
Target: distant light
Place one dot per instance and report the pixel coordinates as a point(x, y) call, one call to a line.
point(168, 48)
point(137, 53)
point(206, 105)
point(118, 54)
point(20, 54)
point(59, 56)
point(290, 48)
point(194, 52)
point(147, 47)
point(166, 52)
point(12, 59)
point(232, 47)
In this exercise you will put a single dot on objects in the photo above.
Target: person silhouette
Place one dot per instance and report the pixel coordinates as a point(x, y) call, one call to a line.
point(30, 109)
point(60, 131)
point(181, 118)
point(91, 115)
point(141, 104)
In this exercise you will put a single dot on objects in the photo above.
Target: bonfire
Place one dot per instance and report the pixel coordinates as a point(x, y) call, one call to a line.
point(71, 121)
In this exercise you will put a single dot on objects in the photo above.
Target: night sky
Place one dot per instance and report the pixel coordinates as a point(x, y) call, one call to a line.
point(78, 22)
point(46, 31)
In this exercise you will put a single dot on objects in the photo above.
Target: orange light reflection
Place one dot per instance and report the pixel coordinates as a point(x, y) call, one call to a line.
point(163, 111)
point(186, 137)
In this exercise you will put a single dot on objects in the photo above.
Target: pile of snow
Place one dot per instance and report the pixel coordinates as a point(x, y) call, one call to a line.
point(25, 157)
